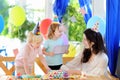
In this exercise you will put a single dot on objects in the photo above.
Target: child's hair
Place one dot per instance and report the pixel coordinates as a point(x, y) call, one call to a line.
point(32, 38)
point(52, 29)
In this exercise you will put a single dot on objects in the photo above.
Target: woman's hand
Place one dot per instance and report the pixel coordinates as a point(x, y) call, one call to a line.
point(74, 72)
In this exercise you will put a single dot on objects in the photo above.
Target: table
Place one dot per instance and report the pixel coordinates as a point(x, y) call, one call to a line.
point(12, 69)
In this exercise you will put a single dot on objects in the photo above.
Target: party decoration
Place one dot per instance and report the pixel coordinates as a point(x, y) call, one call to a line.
point(36, 29)
point(1, 23)
point(55, 20)
point(97, 22)
point(45, 23)
point(73, 19)
point(82, 11)
point(65, 39)
point(95, 27)
point(17, 15)
point(72, 51)
point(64, 35)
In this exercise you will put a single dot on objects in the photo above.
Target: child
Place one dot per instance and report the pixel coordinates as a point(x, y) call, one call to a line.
point(54, 60)
point(24, 61)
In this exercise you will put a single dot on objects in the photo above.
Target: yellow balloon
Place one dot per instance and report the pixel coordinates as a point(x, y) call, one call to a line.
point(17, 15)
point(72, 51)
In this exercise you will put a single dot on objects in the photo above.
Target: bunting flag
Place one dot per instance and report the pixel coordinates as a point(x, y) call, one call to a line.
point(59, 8)
point(85, 9)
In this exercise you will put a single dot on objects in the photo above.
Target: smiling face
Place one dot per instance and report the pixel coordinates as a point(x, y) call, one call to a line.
point(57, 32)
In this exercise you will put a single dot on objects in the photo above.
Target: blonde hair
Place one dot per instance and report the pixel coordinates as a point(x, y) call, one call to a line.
point(32, 38)
point(52, 29)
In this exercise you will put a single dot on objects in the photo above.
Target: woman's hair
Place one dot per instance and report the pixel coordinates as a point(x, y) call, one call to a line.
point(97, 47)
point(52, 29)
point(32, 38)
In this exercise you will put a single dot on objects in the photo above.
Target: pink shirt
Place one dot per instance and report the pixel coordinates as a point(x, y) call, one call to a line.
point(29, 53)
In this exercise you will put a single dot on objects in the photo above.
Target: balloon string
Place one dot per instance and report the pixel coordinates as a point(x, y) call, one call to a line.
point(19, 33)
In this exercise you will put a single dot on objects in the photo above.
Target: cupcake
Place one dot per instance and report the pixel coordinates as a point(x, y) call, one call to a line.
point(65, 76)
point(37, 77)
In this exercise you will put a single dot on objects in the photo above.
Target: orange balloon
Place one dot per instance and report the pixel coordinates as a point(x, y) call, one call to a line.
point(45, 23)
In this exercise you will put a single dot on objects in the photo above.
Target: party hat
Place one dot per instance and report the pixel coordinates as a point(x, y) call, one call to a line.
point(95, 27)
point(36, 30)
point(55, 20)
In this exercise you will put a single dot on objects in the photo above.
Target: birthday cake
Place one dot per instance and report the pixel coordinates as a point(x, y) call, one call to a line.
point(60, 75)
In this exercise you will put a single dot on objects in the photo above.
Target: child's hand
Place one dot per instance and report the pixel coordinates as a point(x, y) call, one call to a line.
point(66, 52)
point(48, 70)
point(51, 54)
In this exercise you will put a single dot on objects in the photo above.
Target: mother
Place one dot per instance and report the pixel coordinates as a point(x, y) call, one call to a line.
point(93, 59)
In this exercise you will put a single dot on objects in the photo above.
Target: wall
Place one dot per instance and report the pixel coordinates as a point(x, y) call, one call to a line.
point(99, 8)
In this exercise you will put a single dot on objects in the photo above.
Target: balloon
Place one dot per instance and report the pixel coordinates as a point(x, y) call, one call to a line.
point(1, 23)
point(101, 27)
point(45, 23)
point(65, 38)
point(72, 51)
point(17, 15)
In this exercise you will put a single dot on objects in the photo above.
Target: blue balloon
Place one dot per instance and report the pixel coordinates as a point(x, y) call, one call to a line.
point(101, 27)
point(1, 23)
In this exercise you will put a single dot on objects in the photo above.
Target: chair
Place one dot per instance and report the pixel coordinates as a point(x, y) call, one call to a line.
point(4, 50)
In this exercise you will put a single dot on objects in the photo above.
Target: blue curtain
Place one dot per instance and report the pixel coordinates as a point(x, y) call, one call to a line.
point(59, 8)
point(87, 5)
point(112, 32)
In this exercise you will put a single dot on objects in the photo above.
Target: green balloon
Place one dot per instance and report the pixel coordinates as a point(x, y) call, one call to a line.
point(17, 15)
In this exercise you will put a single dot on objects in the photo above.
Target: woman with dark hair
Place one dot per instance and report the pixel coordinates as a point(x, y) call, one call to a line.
point(93, 59)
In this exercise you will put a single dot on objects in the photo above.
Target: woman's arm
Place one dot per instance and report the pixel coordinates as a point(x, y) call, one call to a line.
point(74, 72)
point(73, 64)
point(101, 68)
point(47, 53)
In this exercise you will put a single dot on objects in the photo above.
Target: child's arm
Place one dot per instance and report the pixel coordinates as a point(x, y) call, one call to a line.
point(42, 59)
point(26, 66)
point(66, 52)
point(47, 53)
